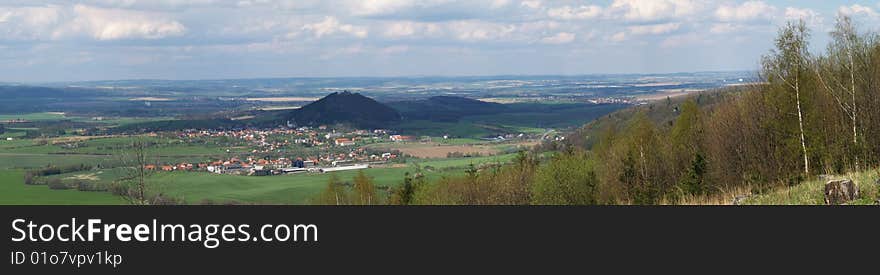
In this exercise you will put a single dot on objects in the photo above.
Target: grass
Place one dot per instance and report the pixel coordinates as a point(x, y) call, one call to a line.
point(34, 116)
point(28, 154)
point(12, 133)
point(194, 187)
point(459, 141)
point(17, 161)
point(13, 191)
point(813, 192)
point(464, 162)
point(807, 193)
point(49, 116)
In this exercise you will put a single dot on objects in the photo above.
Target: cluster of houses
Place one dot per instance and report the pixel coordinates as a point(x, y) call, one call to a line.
point(356, 159)
point(273, 140)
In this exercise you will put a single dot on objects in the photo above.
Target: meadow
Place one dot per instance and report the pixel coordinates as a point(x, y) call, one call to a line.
point(13, 191)
point(196, 188)
point(203, 187)
point(33, 116)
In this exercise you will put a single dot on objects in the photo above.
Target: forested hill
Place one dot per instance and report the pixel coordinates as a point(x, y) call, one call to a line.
point(662, 113)
point(446, 108)
point(346, 108)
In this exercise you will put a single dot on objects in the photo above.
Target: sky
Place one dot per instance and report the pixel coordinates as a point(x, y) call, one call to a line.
point(45, 40)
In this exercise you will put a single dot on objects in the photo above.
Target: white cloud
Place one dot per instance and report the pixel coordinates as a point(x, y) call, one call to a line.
point(809, 16)
point(651, 10)
point(113, 24)
point(58, 22)
point(155, 3)
point(28, 23)
point(471, 30)
point(400, 29)
point(721, 28)
point(495, 4)
point(859, 10)
point(569, 13)
point(379, 7)
point(748, 11)
point(409, 28)
point(427, 10)
point(330, 26)
point(559, 38)
point(654, 29)
point(532, 4)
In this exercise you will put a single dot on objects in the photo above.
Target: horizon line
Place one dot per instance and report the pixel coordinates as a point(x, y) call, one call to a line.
point(370, 77)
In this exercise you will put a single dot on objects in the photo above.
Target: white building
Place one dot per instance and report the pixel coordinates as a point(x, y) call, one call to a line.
point(344, 168)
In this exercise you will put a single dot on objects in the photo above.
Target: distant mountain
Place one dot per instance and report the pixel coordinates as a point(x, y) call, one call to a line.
point(346, 108)
point(446, 108)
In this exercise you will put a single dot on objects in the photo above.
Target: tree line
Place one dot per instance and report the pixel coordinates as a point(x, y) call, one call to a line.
point(810, 114)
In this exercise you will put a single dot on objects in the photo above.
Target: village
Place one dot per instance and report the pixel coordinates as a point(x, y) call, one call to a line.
point(336, 150)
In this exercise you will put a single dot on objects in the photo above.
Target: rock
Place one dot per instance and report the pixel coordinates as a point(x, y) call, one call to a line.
point(839, 192)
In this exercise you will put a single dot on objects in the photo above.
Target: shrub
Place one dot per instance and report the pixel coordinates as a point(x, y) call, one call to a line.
point(57, 184)
point(568, 180)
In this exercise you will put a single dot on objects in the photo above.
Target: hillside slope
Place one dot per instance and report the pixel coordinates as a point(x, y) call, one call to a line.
point(345, 108)
point(812, 192)
point(663, 113)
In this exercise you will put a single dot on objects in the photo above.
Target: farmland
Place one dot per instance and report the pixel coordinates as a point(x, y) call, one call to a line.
point(198, 188)
point(445, 148)
point(14, 191)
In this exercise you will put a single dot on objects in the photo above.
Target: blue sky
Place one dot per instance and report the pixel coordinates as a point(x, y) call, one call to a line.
point(209, 39)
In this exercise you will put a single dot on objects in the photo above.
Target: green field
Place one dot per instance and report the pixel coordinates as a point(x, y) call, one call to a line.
point(464, 162)
point(197, 187)
point(17, 161)
point(104, 151)
point(194, 188)
point(13, 191)
point(34, 116)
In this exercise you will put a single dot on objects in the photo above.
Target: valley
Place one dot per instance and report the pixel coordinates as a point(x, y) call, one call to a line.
point(252, 146)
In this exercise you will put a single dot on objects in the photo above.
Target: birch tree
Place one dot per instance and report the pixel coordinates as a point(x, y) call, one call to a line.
point(788, 65)
point(842, 69)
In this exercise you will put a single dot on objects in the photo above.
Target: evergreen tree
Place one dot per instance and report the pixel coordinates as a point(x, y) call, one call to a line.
point(403, 195)
point(694, 181)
